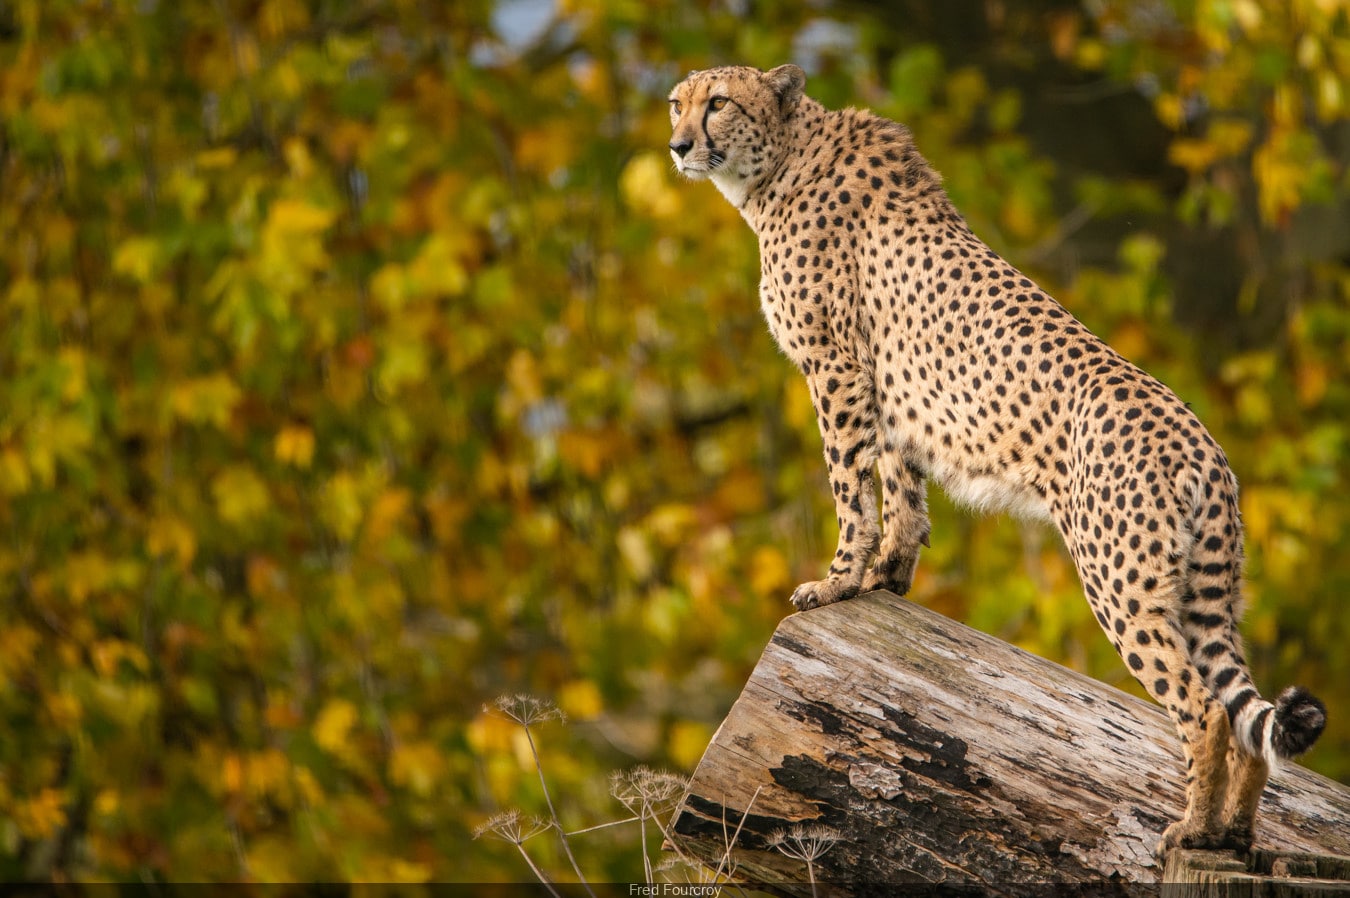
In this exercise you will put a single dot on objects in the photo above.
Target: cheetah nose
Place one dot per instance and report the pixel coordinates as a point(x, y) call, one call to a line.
point(682, 146)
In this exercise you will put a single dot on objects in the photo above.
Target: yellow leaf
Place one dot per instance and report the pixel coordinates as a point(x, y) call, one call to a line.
point(15, 477)
point(220, 157)
point(169, 535)
point(294, 445)
point(1280, 175)
point(106, 803)
point(407, 871)
point(389, 286)
point(272, 859)
point(61, 437)
point(581, 700)
point(385, 513)
point(1330, 96)
point(107, 654)
point(1192, 154)
point(489, 734)
point(18, 648)
point(523, 378)
point(1131, 339)
point(404, 363)
point(86, 573)
point(417, 766)
point(1257, 513)
point(1230, 136)
point(241, 497)
point(1090, 54)
point(585, 451)
point(341, 505)
point(437, 269)
point(205, 400)
point(687, 741)
point(137, 258)
point(646, 187)
point(670, 523)
point(232, 774)
point(73, 362)
point(1018, 214)
point(267, 775)
point(333, 724)
point(636, 553)
point(1311, 379)
point(547, 147)
point(1248, 15)
point(298, 159)
point(1170, 109)
point(65, 711)
point(741, 491)
point(769, 572)
point(307, 785)
point(42, 815)
point(292, 244)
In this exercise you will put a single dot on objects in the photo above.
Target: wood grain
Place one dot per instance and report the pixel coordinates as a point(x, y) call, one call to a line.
point(941, 754)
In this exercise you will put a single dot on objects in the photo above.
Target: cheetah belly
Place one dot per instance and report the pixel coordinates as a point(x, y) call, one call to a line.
point(982, 491)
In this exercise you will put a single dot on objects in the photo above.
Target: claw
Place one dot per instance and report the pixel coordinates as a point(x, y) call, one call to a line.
point(823, 592)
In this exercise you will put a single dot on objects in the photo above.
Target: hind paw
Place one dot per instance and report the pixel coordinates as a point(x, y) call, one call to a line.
point(1187, 834)
point(1237, 838)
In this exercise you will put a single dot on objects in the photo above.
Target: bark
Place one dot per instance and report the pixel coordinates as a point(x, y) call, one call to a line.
point(940, 754)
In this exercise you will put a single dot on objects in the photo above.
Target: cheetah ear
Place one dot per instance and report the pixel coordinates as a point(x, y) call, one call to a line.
point(787, 82)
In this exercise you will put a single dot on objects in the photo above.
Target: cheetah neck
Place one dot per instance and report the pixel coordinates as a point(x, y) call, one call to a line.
point(757, 189)
point(815, 140)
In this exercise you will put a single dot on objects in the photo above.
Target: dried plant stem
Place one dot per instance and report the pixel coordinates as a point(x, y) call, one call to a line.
point(725, 861)
point(562, 835)
point(591, 829)
point(537, 872)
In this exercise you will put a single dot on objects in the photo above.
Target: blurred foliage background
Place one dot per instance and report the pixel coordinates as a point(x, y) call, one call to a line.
point(361, 360)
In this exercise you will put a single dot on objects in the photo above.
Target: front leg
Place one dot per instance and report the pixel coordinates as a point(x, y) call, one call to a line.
point(846, 412)
point(905, 519)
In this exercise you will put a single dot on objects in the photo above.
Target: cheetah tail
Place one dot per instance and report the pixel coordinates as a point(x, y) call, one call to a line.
point(1299, 719)
point(1284, 729)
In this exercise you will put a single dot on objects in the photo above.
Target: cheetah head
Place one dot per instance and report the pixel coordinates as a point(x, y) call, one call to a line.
point(731, 124)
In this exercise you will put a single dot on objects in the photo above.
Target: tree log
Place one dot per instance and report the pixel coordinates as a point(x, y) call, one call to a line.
point(940, 754)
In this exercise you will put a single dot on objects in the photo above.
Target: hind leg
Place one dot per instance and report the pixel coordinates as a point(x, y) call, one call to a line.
point(1247, 781)
point(1204, 744)
point(1151, 644)
point(1137, 599)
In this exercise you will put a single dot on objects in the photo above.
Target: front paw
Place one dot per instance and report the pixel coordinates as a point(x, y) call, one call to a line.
point(823, 592)
point(892, 570)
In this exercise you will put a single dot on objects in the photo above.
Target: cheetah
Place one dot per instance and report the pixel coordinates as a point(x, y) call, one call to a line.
point(929, 357)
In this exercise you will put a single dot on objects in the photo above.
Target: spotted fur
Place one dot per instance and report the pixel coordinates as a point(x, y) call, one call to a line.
point(929, 357)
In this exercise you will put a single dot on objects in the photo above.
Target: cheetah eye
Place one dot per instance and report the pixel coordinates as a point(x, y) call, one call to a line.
point(677, 106)
point(716, 104)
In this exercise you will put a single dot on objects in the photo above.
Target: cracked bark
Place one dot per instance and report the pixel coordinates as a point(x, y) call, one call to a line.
point(943, 755)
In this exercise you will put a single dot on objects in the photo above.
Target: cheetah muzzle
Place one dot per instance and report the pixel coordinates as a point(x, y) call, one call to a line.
point(929, 357)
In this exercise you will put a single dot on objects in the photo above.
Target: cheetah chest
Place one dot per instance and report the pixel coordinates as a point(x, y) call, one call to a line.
point(796, 322)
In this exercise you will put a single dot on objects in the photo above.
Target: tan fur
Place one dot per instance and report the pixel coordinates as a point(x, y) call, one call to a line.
point(929, 357)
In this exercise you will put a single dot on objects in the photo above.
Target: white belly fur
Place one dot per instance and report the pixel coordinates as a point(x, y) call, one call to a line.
point(986, 493)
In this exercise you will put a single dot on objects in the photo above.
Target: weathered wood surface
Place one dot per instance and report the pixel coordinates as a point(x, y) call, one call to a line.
point(1266, 874)
point(941, 754)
